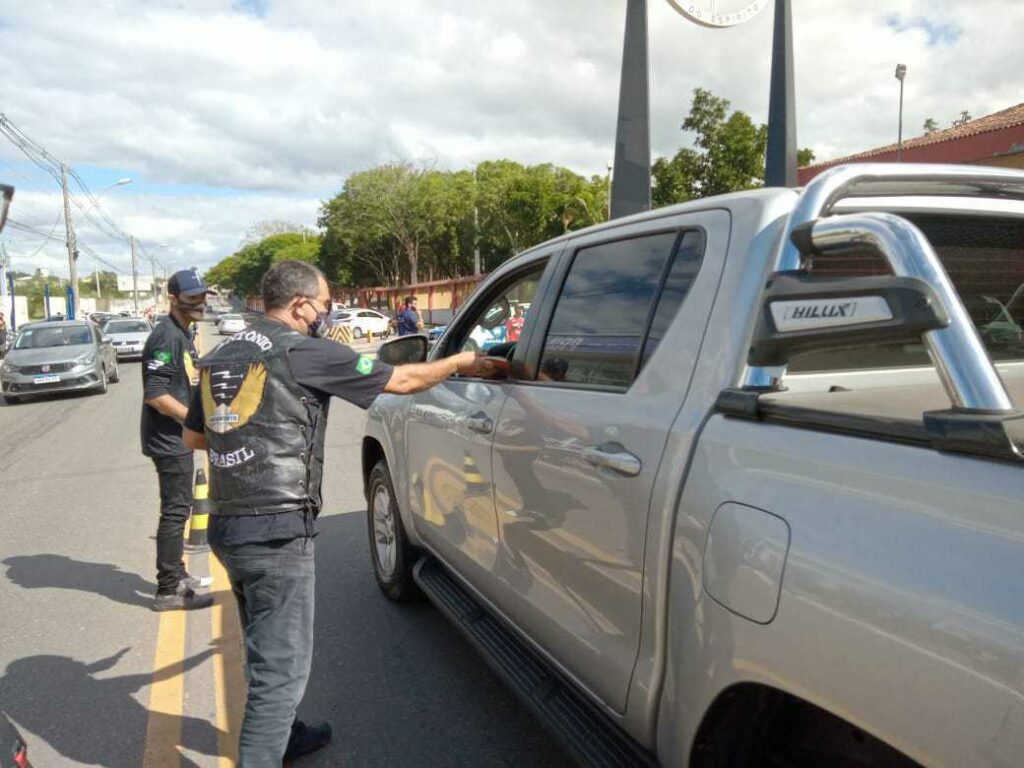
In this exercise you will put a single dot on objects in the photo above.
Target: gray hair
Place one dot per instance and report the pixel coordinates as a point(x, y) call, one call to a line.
point(288, 279)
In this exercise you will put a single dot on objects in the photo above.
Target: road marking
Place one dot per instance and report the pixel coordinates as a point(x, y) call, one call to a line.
point(166, 694)
point(228, 679)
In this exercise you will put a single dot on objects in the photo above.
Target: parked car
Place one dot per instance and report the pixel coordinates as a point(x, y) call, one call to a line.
point(101, 317)
point(364, 321)
point(128, 337)
point(230, 324)
point(764, 508)
point(49, 357)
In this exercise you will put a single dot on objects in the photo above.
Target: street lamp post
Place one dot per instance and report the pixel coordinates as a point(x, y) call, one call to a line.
point(901, 72)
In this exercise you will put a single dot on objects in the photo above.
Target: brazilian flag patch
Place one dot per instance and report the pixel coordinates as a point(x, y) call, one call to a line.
point(162, 356)
point(364, 365)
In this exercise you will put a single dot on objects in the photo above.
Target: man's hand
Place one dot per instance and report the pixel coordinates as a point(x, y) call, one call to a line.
point(485, 367)
point(407, 379)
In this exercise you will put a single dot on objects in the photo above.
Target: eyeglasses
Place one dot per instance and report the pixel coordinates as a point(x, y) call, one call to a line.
point(311, 299)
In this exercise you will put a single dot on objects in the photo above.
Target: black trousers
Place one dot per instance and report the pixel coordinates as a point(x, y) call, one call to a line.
point(175, 474)
point(273, 583)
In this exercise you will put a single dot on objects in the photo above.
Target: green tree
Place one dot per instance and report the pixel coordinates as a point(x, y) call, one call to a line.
point(728, 154)
point(930, 126)
point(242, 271)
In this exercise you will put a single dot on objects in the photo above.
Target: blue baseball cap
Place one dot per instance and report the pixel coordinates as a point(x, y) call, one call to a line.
point(186, 282)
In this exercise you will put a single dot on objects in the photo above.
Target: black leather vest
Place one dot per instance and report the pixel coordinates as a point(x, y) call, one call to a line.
point(265, 431)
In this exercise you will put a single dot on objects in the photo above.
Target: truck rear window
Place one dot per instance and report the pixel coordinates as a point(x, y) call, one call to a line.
point(985, 260)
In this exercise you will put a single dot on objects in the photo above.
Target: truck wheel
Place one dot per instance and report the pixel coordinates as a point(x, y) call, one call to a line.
point(392, 555)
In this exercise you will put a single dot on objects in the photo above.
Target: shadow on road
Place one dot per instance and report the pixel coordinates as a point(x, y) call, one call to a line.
point(62, 702)
point(61, 572)
point(399, 684)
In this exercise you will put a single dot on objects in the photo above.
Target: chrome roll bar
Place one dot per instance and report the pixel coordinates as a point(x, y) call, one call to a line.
point(957, 351)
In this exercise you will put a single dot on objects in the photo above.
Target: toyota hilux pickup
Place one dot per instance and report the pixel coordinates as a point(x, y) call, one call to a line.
point(751, 492)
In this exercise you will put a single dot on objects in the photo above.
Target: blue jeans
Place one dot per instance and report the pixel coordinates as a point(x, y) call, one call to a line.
point(273, 584)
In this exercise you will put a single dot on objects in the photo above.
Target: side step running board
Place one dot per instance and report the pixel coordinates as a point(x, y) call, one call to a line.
point(588, 735)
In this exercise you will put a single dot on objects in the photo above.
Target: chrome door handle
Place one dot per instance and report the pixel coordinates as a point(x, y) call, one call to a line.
point(613, 457)
point(478, 422)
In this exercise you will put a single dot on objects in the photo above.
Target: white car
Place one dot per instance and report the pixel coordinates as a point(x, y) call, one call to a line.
point(230, 324)
point(364, 321)
point(128, 336)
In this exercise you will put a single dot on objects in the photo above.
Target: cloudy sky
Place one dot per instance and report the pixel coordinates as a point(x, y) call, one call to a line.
point(229, 112)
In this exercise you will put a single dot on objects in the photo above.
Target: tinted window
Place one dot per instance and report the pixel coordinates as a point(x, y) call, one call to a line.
point(682, 273)
point(127, 326)
point(604, 309)
point(985, 260)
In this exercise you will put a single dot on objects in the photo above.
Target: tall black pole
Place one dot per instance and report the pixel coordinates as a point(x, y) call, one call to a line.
point(899, 135)
point(631, 180)
point(780, 161)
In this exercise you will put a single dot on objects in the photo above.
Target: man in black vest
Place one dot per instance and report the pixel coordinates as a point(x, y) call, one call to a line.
point(260, 412)
point(168, 376)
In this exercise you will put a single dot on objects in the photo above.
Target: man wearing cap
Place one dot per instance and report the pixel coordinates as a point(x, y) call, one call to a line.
point(168, 377)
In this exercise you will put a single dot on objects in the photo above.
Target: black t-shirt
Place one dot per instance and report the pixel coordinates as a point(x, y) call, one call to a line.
point(168, 368)
point(327, 369)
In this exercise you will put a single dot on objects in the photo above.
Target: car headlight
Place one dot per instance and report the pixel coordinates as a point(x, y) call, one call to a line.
point(87, 359)
point(8, 367)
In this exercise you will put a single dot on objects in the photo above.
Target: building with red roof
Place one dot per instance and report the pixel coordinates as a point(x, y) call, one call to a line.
point(996, 139)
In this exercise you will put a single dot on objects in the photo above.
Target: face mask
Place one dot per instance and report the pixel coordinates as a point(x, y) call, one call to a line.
point(195, 314)
point(321, 325)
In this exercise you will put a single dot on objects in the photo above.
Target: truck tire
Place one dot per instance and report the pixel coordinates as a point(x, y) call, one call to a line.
point(392, 555)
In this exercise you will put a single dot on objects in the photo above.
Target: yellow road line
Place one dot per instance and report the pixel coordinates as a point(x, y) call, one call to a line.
point(166, 694)
point(229, 680)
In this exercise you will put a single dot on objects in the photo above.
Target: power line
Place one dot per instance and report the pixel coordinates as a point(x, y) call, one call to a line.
point(47, 237)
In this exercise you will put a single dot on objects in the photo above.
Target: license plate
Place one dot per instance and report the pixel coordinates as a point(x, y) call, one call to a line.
point(46, 380)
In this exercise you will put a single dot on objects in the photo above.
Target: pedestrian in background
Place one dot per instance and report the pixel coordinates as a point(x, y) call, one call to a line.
point(168, 376)
point(409, 321)
point(261, 414)
point(3, 333)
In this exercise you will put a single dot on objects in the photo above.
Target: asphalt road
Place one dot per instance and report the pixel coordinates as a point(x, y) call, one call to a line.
point(91, 676)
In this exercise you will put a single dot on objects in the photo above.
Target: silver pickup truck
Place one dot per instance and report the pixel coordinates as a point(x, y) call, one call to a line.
point(752, 492)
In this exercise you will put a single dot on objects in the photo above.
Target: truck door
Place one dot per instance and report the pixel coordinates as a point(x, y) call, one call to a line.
point(576, 451)
point(450, 431)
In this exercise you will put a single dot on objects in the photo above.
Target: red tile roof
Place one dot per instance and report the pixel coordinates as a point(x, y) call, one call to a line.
point(1007, 118)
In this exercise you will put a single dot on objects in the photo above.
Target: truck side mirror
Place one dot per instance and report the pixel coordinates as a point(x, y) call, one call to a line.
point(801, 313)
point(404, 350)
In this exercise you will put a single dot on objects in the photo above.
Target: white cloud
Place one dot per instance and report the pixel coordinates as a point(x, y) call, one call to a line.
point(283, 105)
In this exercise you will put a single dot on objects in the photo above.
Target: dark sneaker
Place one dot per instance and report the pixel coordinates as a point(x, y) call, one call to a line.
point(306, 739)
point(184, 598)
point(202, 582)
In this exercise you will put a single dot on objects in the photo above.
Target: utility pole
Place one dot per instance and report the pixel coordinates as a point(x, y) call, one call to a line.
point(152, 267)
point(135, 276)
point(5, 262)
point(96, 274)
point(476, 240)
point(71, 243)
